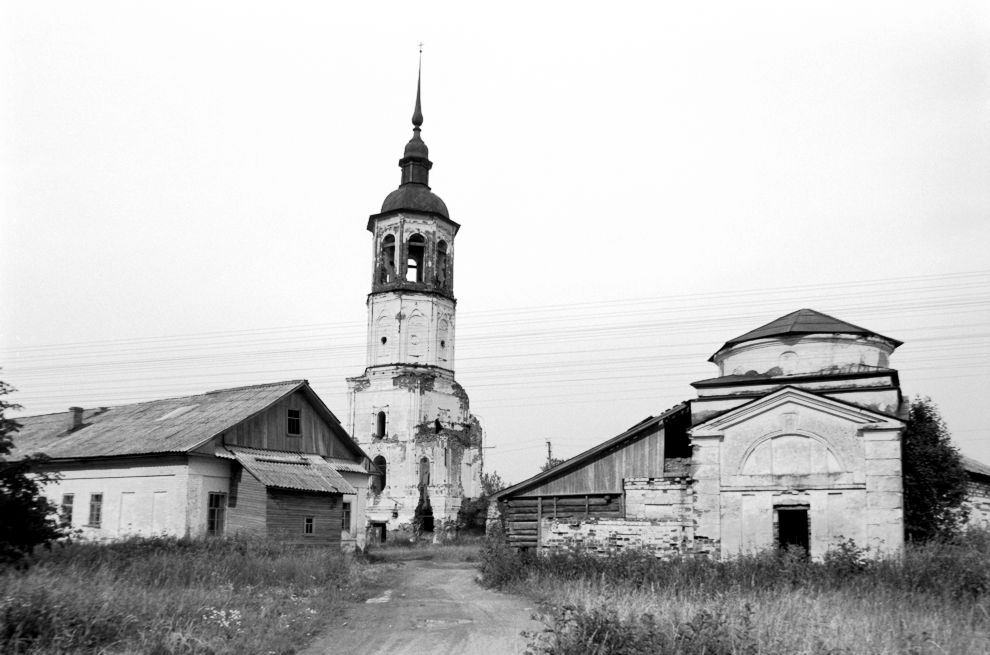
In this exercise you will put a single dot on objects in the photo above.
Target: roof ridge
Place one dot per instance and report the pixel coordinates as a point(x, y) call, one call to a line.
point(183, 397)
point(255, 386)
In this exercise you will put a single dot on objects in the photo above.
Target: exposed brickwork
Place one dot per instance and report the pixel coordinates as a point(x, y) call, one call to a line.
point(978, 503)
point(659, 517)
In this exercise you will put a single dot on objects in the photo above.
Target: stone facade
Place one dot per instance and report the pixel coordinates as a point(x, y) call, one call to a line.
point(796, 443)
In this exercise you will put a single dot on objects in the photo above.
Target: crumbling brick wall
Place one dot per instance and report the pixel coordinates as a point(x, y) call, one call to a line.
point(978, 503)
point(658, 517)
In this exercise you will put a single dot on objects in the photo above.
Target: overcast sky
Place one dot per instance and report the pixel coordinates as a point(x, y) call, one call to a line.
point(185, 190)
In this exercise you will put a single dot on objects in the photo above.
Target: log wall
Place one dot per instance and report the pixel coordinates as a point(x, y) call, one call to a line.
point(523, 514)
point(287, 511)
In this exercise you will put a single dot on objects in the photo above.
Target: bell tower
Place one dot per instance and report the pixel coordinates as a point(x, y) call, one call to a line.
point(407, 411)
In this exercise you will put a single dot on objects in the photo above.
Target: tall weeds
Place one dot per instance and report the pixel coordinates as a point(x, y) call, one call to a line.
point(934, 599)
point(170, 596)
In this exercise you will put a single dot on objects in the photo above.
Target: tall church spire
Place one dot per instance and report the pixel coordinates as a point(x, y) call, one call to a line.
point(414, 192)
point(415, 162)
point(417, 119)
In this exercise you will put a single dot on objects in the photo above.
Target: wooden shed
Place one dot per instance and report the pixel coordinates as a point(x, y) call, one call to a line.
point(591, 485)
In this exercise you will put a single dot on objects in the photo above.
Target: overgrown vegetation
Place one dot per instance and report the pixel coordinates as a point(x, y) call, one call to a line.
point(28, 518)
point(171, 596)
point(473, 513)
point(934, 477)
point(933, 600)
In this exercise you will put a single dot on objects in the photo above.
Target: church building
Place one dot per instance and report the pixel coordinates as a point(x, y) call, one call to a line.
point(406, 410)
point(796, 442)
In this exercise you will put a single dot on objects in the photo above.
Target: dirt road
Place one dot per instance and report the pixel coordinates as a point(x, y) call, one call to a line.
point(430, 607)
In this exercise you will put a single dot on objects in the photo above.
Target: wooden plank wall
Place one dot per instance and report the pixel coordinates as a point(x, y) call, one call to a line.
point(640, 457)
point(287, 511)
point(269, 431)
point(523, 514)
point(247, 505)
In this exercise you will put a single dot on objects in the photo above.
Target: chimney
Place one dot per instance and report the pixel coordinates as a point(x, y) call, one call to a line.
point(75, 418)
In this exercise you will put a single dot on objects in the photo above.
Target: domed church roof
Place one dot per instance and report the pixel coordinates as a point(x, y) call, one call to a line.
point(803, 321)
point(415, 197)
point(414, 192)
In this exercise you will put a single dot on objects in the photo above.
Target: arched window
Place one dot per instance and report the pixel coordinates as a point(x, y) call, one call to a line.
point(382, 466)
point(386, 271)
point(380, 425)
point(414, 262)
point(442, 264)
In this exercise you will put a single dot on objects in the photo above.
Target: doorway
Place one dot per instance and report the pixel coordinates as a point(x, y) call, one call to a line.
point(793, 527)
point(377, 533)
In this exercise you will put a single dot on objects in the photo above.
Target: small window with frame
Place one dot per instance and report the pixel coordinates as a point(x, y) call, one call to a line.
point(65, 511)
point(308, 526)
point(345, 521)
point(294, 423)
point(95, 510)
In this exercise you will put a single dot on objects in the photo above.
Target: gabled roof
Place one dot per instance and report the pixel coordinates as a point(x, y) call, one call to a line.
point(171, 425)
point(296, 471)
point(803, 321)
point(568, 465)
point(973, 466)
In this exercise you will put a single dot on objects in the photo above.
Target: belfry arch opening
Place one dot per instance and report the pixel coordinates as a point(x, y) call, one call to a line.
point(442, 264)
point(415, 251)
point(380, 425)
point(380, 480)
point(386, 271)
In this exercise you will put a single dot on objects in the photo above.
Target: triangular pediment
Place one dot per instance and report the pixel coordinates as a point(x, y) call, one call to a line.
point(794, 397)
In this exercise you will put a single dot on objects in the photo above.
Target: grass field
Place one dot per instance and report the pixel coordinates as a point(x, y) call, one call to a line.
point(161, 596)
point(934, 600)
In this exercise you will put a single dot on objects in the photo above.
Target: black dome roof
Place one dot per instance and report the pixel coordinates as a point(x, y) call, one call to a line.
point(415, 197)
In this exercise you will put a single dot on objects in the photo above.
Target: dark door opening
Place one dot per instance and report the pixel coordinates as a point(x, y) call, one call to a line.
point(378, 531)
point(793, 528)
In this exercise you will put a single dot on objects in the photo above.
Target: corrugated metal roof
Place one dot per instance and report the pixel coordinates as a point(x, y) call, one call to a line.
point(299, 471)
point(803, 321)
point(346, 465)
point(156, 426)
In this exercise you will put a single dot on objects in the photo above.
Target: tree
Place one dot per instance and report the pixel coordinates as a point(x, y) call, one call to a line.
point(934, 478)
point(473, 513)
point(28, 517)
point(550, 463)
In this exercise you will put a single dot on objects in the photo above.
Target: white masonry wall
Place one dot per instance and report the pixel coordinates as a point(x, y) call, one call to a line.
point(151, 496)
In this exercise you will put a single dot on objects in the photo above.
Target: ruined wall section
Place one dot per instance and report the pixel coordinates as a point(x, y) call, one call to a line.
point(978, 502)
point(427, 417)
point(659, 517)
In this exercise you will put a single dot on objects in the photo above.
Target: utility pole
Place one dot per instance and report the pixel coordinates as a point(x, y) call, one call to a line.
point(549, 453)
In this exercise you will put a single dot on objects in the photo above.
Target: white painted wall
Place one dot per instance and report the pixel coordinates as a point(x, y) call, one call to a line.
point(805, 354)
point(149, 496)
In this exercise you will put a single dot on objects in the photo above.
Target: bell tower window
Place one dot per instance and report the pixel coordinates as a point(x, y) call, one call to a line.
point(380, 425)
point(386, 270)
point(414, 263)
point(442, 264)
